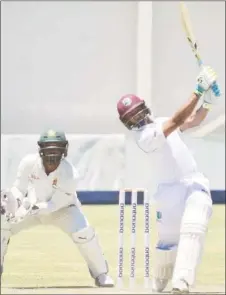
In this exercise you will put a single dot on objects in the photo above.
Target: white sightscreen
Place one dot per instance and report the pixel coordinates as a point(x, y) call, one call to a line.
point(65, 64)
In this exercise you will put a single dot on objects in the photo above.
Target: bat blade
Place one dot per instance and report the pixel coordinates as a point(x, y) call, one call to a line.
point(186, 22)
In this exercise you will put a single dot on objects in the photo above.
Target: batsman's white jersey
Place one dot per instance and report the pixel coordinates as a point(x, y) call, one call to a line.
point(183, 204)
point(171, 159)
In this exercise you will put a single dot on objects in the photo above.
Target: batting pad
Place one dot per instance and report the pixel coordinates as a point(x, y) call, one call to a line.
point(194, 224)
point(164, 262)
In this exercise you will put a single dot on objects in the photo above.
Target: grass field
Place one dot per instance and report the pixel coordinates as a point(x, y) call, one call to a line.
point(46, 257)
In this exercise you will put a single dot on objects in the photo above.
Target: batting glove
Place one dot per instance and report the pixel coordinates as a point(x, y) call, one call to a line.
point(205, 80)
point(9, 203)
point(27, 209)
point(210, 98)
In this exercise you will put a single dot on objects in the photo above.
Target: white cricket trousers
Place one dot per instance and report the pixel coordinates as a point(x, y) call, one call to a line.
point(183, 213)
point(70, 220)
point(171, 200)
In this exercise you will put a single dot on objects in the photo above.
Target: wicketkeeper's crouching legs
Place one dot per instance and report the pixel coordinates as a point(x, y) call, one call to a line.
point(5, 237)
point(89, 247)
point(72, 221)
point(9, 229)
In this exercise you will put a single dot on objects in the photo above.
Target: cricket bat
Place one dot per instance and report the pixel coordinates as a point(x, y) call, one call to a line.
point(186, 22)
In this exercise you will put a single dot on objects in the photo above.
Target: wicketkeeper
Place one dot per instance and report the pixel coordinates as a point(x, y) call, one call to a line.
point(45, 193)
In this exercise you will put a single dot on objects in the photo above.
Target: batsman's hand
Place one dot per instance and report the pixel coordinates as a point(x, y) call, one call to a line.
point(206, 80)
point(209, 97)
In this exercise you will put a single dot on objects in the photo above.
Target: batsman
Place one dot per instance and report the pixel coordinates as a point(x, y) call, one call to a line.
point(44, 192)
point(183, 200)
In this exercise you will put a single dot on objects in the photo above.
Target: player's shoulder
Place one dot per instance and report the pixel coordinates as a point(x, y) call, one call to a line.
point(144, 133)
point(30, 159)
point(68, 169)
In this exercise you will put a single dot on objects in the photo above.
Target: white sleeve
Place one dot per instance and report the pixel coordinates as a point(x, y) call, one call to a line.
point(151, 138)
point(19, 188)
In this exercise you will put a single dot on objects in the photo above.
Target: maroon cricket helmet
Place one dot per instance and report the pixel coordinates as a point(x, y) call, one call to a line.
point(133, 111)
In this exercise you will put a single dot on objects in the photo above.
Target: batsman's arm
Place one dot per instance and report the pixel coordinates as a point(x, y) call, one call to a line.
point(205, 80)
point(195, 119)
point(151, 139)
point(210, 98)
point(181, 115)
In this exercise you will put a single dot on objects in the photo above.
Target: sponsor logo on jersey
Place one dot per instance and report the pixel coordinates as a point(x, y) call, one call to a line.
point(33, 176)
point(54, 183)
point(158, 215)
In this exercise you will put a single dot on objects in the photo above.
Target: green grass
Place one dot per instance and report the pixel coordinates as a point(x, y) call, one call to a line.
point(46, 257)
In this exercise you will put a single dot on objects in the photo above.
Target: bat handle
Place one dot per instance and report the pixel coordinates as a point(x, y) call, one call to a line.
point(200, 63)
